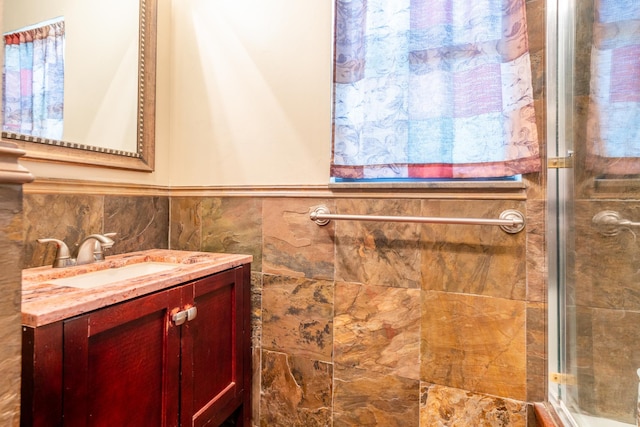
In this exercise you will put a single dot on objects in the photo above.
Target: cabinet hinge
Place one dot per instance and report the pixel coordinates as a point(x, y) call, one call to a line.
point(560, 378)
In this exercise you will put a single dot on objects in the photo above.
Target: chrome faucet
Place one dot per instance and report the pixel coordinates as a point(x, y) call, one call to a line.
point(89, 251)
point(63, 257)
point(98, 253)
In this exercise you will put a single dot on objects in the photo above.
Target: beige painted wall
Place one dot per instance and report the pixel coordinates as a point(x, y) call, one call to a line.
point(251, 92)
point(101, 62)
point(244, 93)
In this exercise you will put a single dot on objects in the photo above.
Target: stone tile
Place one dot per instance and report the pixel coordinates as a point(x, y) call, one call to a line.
point(580, 361)
point(537, 275)
point(616, 358)
point(378, 329)
point(256, 384)
point(140, 222)
point(474, 343)
point(536, 352)
point(293, 244)
point(69, 218)
point(186, 223)
point(536, 182)
point(296, 392)
point(378, 253)
point(364, 398)
point(607, 268)
point(538, 74)
point(583, 47)
point(481, 260)
point(445, 406)
point(256, 310)
point(297, 316)
point(11, 228)
point(233, 225)
point(256, 345)
point(536, 20)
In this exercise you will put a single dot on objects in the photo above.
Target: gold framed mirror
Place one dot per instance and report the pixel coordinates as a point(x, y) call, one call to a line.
point(141, 155)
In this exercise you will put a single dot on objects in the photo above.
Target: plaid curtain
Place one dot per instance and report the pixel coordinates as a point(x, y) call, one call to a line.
point(613, 125)
point(33, 93)
point(432, 89)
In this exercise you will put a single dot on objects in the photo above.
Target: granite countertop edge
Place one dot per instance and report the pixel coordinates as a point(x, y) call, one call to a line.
point(44, 302)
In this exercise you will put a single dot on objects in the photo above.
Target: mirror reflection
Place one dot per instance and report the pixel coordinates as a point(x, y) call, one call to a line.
point(100, 107)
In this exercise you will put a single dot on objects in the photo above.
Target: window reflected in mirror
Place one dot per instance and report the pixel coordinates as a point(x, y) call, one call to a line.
point(106, 115)
point(33, 80)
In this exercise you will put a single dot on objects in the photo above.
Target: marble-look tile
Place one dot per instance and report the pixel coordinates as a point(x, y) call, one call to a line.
point(296, 392)
point(583, 44)
point(293, 244)
point(69, 218)
point(474, 343)
point(451, 407)
point(233, 225)
point(186, 223)
point(580, 361)
point(297, 316)
point(256, 310)
point(141, 223)
point(536, 255)
point(256, 384)
point(616, 358)
point(536, 20)
point(11, 227)
point(378, 253)
point(536, 182)
point(481, 260)
point(536, 352)
point(364, 398)
point(377, 328)
point(607, 268)
point(256, 344)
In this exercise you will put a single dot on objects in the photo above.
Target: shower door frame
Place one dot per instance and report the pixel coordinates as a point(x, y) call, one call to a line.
point(560, 48)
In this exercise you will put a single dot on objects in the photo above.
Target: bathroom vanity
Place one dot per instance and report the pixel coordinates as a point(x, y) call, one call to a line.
point(142, 347)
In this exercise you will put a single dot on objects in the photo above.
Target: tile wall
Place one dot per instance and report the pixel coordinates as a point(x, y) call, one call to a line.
point(356, 323)
point(359, 323)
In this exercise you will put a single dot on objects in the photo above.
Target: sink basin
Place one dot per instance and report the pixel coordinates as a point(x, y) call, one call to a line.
point(111, 275)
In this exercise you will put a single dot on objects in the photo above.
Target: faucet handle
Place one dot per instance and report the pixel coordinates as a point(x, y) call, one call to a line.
point(98, 253)
point(63, 257)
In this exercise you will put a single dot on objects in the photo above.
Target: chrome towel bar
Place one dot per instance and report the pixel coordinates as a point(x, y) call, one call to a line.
point(511, 220)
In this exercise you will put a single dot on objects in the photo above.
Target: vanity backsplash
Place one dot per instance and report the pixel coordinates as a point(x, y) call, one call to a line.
point(141, 222)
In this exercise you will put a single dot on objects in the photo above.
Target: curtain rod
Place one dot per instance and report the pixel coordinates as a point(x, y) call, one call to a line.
point(511, 220)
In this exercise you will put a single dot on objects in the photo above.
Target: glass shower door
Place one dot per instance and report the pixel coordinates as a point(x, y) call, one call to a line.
point(595, 307)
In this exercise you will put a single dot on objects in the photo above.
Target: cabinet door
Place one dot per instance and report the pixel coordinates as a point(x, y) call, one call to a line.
point(122, 363)
point(212, 356)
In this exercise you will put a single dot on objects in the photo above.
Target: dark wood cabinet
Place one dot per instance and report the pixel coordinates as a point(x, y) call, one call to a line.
point(177, 357)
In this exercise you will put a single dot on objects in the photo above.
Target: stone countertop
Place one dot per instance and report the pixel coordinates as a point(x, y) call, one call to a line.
point(44, 302)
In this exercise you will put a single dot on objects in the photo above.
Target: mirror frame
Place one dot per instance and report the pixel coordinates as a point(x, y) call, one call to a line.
point(55, 151)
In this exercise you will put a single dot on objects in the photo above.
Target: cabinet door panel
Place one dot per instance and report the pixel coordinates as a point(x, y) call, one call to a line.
point(121, 364)
point(212, 356)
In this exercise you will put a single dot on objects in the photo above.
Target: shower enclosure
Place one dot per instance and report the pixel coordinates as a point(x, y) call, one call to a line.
point(594, 210)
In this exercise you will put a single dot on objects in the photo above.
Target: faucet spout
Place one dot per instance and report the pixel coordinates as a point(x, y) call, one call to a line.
point(87, 249)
